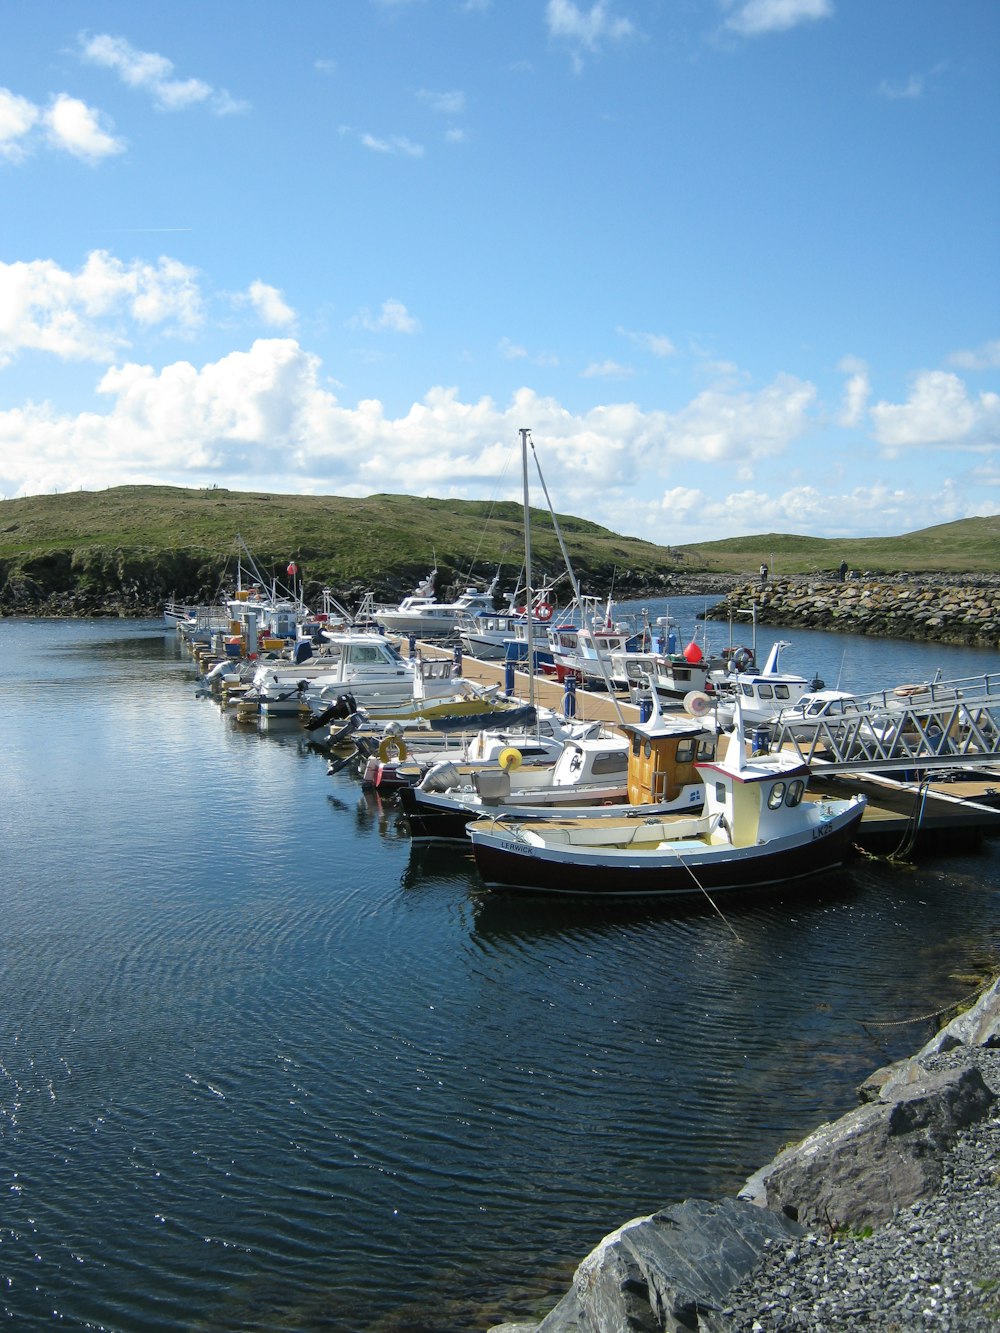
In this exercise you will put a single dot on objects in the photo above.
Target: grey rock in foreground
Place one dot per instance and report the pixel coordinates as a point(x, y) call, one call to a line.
point(898, 1219)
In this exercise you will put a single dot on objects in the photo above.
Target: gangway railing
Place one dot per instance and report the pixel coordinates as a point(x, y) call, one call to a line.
point(909, 732)
point(936, 691)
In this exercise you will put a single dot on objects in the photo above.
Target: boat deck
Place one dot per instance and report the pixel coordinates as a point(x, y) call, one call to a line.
point(947, 814)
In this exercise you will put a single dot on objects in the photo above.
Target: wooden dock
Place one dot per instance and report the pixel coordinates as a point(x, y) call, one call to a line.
point(944, 816)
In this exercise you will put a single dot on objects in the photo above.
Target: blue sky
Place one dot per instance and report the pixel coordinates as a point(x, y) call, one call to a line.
point(734, 263)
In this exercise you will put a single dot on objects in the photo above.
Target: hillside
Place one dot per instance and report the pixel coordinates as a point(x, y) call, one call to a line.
point(970, 545)
point(137, 545)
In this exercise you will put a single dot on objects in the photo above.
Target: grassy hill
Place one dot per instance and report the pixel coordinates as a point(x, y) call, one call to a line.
point(148, 542)
point(970, 545)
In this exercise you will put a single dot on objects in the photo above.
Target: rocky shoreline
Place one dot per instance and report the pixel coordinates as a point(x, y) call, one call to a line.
point(886, 1219)
point(959, 609)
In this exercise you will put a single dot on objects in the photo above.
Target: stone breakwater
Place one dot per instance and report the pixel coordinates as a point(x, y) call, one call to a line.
point(886, 1219)
point(961, 611)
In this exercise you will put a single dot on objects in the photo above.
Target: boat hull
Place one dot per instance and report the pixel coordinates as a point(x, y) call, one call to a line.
point(508, 862)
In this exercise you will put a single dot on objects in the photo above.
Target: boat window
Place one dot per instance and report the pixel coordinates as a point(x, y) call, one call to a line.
point(610, 763)
point(776, 796)
point(646, 749)
point(766, 692)
point(636, 744)
point(781, 692)
point(747, 690)
point(796, 788)
point(720, 792)
point(706, 748)
point(685, 751)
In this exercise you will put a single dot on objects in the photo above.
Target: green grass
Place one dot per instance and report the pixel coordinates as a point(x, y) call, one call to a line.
point(362, 542)
point(971, 545)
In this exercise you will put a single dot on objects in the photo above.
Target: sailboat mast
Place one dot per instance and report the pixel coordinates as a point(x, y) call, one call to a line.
point(528, 593)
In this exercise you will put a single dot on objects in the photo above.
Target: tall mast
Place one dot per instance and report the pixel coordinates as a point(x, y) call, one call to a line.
point(528, 594)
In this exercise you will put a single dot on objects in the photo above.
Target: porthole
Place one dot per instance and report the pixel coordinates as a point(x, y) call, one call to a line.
point(796, 790)
point(776, 796)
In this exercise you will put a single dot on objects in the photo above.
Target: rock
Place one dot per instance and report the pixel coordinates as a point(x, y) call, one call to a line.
point(669, 1271)
point(961, 609)
point(886, 1155)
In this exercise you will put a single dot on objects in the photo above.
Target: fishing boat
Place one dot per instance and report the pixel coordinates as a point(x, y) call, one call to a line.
point(758, 829)
point(648, 766)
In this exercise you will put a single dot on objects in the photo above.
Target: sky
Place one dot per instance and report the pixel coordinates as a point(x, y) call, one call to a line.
point(735, 264)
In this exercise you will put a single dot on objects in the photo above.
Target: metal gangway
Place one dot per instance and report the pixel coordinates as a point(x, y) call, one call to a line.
point(933, 726)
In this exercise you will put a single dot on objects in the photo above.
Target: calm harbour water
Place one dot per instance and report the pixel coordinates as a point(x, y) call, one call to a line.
point(263, 1067)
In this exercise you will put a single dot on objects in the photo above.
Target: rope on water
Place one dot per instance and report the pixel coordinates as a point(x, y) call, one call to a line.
point(922, 1018)
point(715, 905)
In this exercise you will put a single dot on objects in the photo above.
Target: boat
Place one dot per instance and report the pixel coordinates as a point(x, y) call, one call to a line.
point(648, 766)
point(760, 695)
point(758, 829)
point(423, 617)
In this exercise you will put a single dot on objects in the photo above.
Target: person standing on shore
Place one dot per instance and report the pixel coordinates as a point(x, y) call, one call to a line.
point(843, 570)
point(763, 575)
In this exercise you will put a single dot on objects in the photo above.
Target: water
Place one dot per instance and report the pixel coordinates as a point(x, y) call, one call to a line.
point(262, 1067)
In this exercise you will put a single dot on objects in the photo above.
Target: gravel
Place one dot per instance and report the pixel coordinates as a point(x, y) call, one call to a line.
point(934, 1266)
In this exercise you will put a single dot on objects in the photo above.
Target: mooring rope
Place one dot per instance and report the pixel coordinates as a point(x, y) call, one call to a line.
point(714, 904)
point(921, 1018)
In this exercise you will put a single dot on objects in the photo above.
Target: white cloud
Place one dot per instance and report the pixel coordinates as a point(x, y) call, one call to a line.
point(270, 304)
point(263, 418)
point(657, 344)
point(588, 28)
point(939, 410)
point(82, 316)
point(392, 318)
point(448, 104)
point(755, 17)
point(262, 414)
point(18, 117)
point(908, 90)
point(395, 144)
point(856, 392)
point(986, 357)
point(607, 370)
point(76, 127)
point(154, 74)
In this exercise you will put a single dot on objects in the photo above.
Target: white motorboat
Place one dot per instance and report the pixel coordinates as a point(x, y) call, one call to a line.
point(424, 617)
point(651, 766)
point(762, 695)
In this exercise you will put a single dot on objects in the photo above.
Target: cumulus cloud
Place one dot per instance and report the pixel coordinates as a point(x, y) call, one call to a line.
point(152, 73)
point(265, 414)
point(752, 18)
point(77, 128)
point(270, 304)
point(18, 117)
point(939, 410)
point(84, 316)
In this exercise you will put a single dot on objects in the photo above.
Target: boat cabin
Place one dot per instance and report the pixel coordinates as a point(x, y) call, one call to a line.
point(751, 803)
point(662, 758)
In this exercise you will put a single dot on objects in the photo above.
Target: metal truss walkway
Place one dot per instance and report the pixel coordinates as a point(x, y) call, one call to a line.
point(933, 726)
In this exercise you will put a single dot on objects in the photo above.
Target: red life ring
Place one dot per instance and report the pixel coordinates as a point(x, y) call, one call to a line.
point(743, 659)
point(543, 611)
